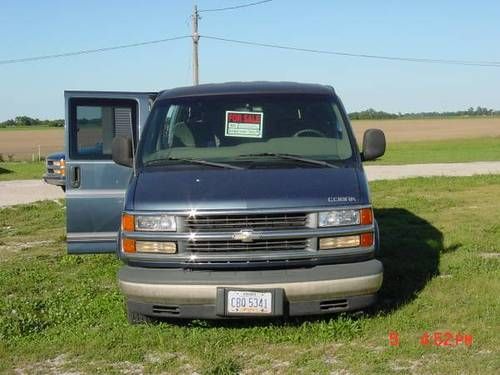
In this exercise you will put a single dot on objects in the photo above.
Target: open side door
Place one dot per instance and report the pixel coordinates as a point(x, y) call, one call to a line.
point(95, 185)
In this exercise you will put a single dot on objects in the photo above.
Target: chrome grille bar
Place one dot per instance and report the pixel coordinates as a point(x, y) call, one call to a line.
point(237, 222)
point(259, 245)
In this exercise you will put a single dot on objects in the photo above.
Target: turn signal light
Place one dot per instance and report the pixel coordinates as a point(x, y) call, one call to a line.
point(366, 240)
point(366, 216)
point(128, 223)
point(128, 245)
point(62, 166)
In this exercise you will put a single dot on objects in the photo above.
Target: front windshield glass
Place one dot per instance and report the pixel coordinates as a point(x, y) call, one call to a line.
point(230, 128)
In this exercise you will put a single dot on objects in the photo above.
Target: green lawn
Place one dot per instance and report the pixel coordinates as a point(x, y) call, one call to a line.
point(21, 170)
point(445, 151)
point(440, 239)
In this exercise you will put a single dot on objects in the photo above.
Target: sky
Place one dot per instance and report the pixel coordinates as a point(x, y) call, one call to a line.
point(447, 29)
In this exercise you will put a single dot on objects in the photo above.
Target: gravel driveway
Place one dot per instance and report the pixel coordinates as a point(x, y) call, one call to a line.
point(392, 172)
point(26, 191)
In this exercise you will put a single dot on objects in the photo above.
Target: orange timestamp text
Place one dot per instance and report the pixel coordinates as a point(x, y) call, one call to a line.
point(437, 338)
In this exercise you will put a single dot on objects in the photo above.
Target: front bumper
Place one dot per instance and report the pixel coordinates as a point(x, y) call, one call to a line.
point(54, 179)
point(179, 293)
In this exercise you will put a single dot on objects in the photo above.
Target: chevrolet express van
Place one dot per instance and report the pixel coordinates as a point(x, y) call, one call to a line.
point(224, 200)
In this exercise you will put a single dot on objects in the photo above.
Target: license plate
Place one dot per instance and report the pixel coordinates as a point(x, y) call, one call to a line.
point(246, 302)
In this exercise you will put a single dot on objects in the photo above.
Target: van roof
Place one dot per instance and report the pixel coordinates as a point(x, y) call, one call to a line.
point(257, 87)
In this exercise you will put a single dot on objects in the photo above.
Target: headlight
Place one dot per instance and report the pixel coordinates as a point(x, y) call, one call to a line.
point(338, 217)
point(59, 163)
point(341, 217)
point(155, 223)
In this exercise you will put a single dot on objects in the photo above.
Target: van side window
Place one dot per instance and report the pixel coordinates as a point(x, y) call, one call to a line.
point(95, 122)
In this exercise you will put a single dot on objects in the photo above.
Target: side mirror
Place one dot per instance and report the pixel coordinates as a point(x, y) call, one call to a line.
point(121, 151)
point(373, 144)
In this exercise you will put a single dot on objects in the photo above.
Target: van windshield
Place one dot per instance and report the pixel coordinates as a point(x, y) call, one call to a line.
point(235, 128)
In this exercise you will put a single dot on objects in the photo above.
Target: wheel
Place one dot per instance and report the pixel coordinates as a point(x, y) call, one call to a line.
point(135, 317)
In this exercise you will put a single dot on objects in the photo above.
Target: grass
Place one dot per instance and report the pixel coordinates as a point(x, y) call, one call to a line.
point(440, 240)
point(445, 151)
point(21, 170)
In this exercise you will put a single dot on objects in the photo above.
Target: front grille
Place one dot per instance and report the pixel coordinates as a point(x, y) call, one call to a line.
point(237, 222)
point(259, 245)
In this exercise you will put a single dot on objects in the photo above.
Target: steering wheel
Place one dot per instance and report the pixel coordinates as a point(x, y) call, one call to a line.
point(309, 131)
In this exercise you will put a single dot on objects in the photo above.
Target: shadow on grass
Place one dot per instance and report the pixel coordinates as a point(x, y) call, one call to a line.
point(410, 248)
point(4, 171)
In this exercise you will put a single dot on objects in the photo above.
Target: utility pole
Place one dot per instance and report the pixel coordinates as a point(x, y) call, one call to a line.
point(196, 37)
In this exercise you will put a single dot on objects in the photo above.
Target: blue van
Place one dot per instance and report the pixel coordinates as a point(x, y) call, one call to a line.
point(224, 200)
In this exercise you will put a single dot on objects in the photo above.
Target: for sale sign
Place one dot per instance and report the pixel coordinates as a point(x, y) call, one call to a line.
point(244, 124)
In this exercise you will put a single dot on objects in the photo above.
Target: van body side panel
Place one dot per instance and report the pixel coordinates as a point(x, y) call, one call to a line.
point(94, 208)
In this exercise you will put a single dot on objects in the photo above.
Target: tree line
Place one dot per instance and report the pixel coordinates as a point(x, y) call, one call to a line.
point(29, 121)
point(372, 114)
point(368, 114)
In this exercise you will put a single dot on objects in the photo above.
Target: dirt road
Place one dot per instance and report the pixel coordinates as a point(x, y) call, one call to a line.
point(26, 191)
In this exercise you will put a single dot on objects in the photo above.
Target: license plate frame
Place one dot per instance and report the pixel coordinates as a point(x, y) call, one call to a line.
point(276, 295)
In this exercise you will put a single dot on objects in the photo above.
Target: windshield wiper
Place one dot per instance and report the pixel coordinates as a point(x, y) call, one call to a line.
point(194, 161)
point(293, 157)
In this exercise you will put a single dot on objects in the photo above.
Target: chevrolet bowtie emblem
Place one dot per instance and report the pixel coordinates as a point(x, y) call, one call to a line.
point(246, 235)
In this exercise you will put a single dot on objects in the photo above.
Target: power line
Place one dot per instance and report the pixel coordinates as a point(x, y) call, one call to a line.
point(235, 7)
point(88, 51)
point(257, 44)
point(367, 56)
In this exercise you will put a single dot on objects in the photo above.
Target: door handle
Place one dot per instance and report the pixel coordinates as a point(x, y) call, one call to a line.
point(75, 177)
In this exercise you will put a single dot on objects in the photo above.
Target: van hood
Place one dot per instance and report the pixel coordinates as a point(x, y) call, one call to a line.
point(163, 189)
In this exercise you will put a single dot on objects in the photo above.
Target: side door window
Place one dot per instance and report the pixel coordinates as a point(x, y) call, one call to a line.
point(96, 123)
